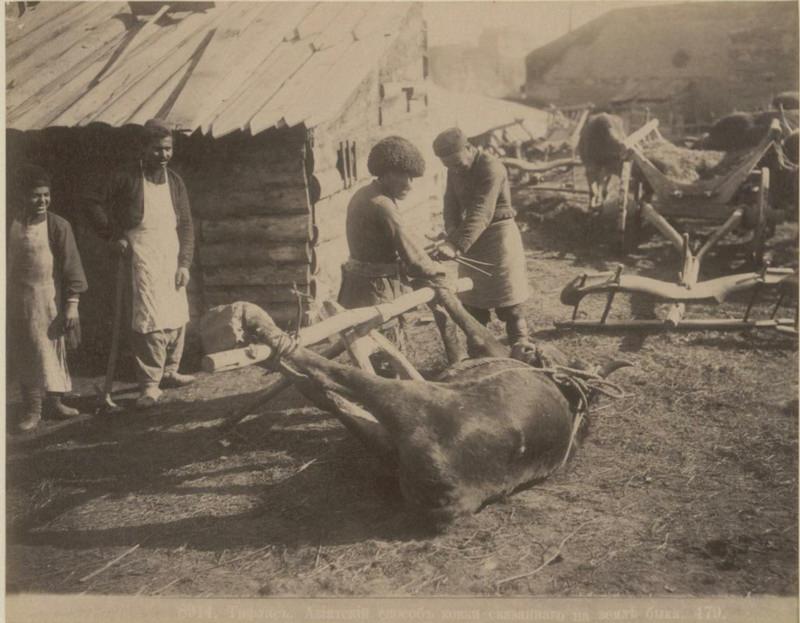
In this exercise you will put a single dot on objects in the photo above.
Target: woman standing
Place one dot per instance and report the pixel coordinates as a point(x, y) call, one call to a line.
point(45, 280)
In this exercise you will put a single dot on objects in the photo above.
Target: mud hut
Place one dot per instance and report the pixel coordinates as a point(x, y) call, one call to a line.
point(277, 105)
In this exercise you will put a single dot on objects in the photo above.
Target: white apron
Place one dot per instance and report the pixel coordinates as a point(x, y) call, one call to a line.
point(157, 304)
point(36, 340)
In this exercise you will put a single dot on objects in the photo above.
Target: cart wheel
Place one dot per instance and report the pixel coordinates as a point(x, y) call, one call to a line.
point(760, 230)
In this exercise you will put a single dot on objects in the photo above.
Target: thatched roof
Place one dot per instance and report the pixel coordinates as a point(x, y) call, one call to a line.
point(234, 66)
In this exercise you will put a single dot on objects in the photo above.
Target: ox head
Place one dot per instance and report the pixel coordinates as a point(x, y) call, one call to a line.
point(547, 356)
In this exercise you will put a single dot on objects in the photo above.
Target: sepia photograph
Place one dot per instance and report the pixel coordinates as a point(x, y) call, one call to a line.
point(401, 311)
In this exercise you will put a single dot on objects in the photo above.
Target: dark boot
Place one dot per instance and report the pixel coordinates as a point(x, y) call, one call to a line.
point(57, 410)
point(516, 325)
point(31, 409)
point(516, 330)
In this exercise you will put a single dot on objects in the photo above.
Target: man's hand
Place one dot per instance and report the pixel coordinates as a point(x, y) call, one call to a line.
point(182, 278)
point(121, 247)
point(444, 252)
point(71, 317)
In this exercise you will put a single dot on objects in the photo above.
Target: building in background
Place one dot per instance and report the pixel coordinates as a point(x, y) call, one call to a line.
point(685, 63)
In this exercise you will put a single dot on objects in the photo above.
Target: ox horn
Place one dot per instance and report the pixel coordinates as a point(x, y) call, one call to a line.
point(613, 366)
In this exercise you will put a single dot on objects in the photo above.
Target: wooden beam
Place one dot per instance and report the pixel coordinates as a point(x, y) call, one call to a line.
point(224, 203)
point(261, 295)
point(258, 229)
point(237, 253)
point(256, 275)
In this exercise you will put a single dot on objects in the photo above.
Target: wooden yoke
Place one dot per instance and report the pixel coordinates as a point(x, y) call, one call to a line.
point(362, 343)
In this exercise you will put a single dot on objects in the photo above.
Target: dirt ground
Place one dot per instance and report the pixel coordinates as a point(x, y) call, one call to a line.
point(688, 485)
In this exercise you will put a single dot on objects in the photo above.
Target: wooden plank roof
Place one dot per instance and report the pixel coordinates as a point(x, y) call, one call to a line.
point(234, 66)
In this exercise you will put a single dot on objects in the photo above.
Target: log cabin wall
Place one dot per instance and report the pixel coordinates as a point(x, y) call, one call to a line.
point(391, 100)
point(250, 201)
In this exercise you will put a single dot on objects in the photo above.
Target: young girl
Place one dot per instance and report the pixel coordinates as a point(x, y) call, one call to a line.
point(45, 280)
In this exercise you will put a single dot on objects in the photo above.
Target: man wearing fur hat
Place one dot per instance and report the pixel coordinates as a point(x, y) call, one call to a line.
point(379, 243)
point(144, 212)
point(479, 222)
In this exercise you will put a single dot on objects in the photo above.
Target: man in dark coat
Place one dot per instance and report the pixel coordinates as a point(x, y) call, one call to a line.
point(144, 212)
point(479, 223)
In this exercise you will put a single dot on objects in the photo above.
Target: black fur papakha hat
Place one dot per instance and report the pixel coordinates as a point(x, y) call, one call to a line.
point(394, 153)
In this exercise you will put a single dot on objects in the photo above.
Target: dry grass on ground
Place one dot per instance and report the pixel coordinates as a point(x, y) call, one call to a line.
point(686, 486)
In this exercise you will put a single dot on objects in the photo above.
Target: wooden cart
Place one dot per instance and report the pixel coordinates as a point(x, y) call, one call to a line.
point(738, 198)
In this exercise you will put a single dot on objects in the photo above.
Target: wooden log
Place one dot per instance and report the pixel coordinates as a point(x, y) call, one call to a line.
point(372, 317)
point(278, 228)
point(263, 296)
point(256, 275)
point(253, 253)
point(338, 323)
point(358, 347)
point(246, 176)
point(272, 200)
point(227, 360)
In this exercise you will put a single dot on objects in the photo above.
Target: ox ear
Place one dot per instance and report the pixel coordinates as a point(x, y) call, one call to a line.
point(613, 366)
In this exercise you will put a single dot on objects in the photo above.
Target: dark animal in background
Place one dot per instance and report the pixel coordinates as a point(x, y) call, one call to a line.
point(486, 428)
point(601, 147)
point(741, 130)
point(788, 100)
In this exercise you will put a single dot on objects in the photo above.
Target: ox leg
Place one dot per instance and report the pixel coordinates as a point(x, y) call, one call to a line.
point(370, 433)
point(453, 347)
point(481, 341)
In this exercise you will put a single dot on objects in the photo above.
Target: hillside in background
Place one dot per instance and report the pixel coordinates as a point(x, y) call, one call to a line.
point(494, 66)
point(727, 55)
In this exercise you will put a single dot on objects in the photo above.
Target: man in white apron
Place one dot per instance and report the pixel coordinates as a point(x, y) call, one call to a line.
point(145, 211)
